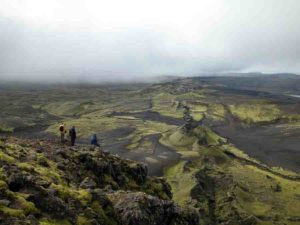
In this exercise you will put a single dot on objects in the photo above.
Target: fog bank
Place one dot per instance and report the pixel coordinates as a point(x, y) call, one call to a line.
point(67, 40)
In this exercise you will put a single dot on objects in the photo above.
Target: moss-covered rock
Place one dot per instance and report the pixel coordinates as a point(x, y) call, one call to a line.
point(143, 209)
point(49, 184)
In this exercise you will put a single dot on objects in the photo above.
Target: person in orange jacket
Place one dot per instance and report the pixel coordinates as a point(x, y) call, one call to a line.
point(63, 131)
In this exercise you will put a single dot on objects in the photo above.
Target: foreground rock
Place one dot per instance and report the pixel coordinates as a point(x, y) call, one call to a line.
point(46, 183)
point(143, 209)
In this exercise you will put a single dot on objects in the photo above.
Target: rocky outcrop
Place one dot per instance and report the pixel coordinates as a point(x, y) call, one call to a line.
point(140, 208)
point(42, 182)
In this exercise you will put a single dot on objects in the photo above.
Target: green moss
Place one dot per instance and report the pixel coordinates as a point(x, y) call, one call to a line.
point(166, 104)
point(256, 112)
point(82, 220)
point(181, 181)
point(200, 134)
point(84, 196)
point(46, 221)
point(198, 116)
point(292, 118)
point(260, 198)
point(216, 111)
point(206, 135)
point(164, 96)
point(48, 172)
point(3, 184)
point(178, 138)
point(66, 192)
point(156, 188)
point(198, 107)
point(97, 207)
point(6, 157)
point(86, 127)
point(6, 129)
point(190, 96)
point(27, 207)
point(16, 151)
point(12, 212)
point(26, 167)
point(107, 214)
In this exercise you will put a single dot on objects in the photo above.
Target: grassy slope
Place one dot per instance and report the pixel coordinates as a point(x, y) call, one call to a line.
point(259, 192)
point(256, 112)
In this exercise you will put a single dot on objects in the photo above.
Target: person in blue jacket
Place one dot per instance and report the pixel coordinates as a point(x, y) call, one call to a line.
point(94, 141)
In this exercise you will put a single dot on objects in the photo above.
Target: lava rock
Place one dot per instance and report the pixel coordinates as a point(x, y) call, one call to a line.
point(88, 183)
point(140, 208)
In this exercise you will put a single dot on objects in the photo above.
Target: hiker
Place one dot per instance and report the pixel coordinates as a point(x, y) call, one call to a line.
point(94, 141)
point(63, 131)
point(72, 134)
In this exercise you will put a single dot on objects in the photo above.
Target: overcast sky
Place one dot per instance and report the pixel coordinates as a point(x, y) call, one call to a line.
point(94, 39)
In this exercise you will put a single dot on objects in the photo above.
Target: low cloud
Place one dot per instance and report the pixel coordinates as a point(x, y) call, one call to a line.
point(73, 41)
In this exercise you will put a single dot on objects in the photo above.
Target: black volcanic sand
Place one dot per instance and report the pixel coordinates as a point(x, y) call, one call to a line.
point(267, 143)
point(161, 157)
point(153, 116)
point(115, 141)
point(273, 144)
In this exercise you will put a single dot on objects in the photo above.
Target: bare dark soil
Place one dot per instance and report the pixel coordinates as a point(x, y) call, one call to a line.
point(115, 141)
point(153, 116)
point(271, 144)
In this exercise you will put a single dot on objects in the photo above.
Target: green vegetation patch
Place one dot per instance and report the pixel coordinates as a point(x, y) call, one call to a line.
point(167, 105)
point(199, 135)
point(46, 221)
point(6, 129)
point(216, 111)
point(256, 112)
point(239, 184)
point(86, 126)
point(181, 180)
point(189, 96)
point(138, 138)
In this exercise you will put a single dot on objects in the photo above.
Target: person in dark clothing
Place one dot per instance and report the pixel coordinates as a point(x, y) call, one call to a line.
point(94, 141)
point(72, 133)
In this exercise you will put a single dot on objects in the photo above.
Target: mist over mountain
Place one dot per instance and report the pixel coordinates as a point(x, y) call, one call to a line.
point(107, 41)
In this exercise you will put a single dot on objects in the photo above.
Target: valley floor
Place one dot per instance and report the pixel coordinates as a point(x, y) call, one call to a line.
point(231, 154)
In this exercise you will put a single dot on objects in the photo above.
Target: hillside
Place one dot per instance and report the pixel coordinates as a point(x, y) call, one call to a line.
point(226, 185)
point(46, 183)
